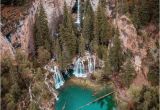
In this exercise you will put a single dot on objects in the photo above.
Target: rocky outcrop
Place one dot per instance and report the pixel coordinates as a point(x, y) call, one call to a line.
point(6, 48)
point(23, 37)
point(54, 11)
point(130, 41)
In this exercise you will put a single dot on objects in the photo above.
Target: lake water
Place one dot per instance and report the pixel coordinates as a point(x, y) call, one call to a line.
point(72, 97)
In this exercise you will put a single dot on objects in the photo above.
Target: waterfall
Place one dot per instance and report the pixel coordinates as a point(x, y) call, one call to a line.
point(58, 78)
point(94, 62)
point(91, 63)
point(30, 94)
point(50, 88)
point(78, 21)
point(79, 70)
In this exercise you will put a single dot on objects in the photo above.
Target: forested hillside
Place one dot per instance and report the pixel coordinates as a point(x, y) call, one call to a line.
point(115, 43)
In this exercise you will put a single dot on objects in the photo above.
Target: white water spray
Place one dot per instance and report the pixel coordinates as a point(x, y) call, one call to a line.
point(79, 67)
point(78, 21)
point(79, 70)
point(58, 78)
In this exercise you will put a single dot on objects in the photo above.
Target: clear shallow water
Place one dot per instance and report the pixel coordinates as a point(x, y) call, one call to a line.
point(75, 96)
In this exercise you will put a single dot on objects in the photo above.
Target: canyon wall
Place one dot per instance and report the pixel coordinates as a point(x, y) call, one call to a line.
point(54, 11)
point(6, 49)
point(22, 37)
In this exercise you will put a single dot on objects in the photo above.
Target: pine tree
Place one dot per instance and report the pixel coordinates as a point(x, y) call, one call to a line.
point(148, 99)
point(131, 6)
point(88, 23)
point(94, 45)
point(43, 56)
point(154, 8)
point(81, 45)
point(123, 6)
point(42, 36)
point(135, 17)
point(115, 54)
point(103, 3)
point(144, 12)
point(103, 29)
point(67, 38)
point(107, 69)
point(128, 73)
point(153, 75)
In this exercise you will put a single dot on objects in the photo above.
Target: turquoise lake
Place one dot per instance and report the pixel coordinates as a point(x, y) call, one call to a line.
point(73, 97)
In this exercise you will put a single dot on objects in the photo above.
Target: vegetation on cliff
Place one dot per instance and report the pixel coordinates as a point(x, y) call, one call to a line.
point(97, 35)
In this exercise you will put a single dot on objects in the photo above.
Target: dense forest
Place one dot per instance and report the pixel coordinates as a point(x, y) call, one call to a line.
point(96, 35)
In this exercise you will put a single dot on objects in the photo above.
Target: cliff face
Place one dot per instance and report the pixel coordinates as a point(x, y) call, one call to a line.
point(130, 40)
point(6, 49)
point(54, 11)
point(22, 37)
point(140, 45)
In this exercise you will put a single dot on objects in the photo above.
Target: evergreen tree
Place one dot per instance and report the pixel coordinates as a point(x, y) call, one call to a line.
point(94, 45)
point(148, 99)
point(67, 38)
point(154, 8)
point(43, 56)
point(124, 6)
point(115, 54)
point(103, 3)
point(102, 27)
point(144, 13)
point(81, 45)
point(88, 23)
point(42, 37)
point(135, 17)
point(128, 73)
point(107, 69)
point(131, 6)
point(153, 75)
point(58, 51)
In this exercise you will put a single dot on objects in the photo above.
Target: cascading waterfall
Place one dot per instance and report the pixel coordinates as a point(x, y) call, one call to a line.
point(58, 78)
point(79, 67)
point(50, 88)
point(79, 70)
point(94, 62)
point(78, 21)
point(91, 63)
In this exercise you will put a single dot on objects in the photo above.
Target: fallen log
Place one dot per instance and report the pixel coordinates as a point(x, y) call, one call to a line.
point(95, 100)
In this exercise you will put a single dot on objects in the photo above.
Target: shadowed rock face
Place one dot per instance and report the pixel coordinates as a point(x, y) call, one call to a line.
point(54, 11)
point(22, 37)
point(6, 48)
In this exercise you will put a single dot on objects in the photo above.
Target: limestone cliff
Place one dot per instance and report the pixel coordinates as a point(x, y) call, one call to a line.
point(6, 49)
point(22, 35)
